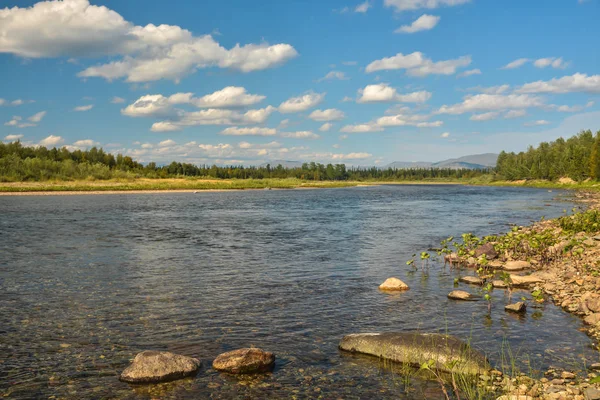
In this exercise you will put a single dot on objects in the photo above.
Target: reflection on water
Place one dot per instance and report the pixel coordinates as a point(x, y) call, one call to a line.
point(88, 281)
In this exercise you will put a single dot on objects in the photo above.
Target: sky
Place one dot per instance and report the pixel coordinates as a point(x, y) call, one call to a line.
point(340, 81)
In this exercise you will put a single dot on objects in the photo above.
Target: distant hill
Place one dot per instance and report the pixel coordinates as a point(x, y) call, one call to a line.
point(476, 161)
point(284, 164)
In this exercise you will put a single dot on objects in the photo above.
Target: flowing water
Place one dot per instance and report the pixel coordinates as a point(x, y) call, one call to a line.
point(87, 281)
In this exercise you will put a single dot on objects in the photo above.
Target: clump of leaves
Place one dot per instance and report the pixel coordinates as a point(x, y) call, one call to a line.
point(587, 221)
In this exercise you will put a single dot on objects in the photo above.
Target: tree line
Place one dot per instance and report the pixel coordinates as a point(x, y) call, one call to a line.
point(577, 158)
point(22, 163)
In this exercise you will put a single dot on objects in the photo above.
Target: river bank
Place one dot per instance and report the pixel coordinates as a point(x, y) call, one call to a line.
point(560, 263)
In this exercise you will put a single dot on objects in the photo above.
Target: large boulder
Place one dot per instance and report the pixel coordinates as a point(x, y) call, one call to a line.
point(516, 265)
point(487, 249)
point(393, 284)
point(245, 361)
point(159, 366)
point(448, 353)
point(460, 295)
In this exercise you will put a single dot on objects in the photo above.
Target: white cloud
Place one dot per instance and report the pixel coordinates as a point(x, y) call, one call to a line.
point(470, 72)
point(406, 120)
point(567, 84)
point(515, 114)
point(2, 102)
point(167, 143)
point(326, 127)
point(13, 137)
point(343, 137)
point(284, 123)
point(445, 134)
point(347, 99)
point(382, 92)
point(407, 5)
point(152, 105)
point(258, 116)
point(51, 141)
point(17, 102)
point(516, 64)
point(536, 123)
point(363, 7)
point(490, 90)
point(117, 100)
point(300, 135)
point(85, 143)
point(332, 75)
point(330, 114)
point(416, 64)
point(336, 146)
point(424, 23)
point(301, 103)
point(492, 102)
point(361, 128)
point(74, 28)
point(84, 108)
point(37, 117)
point(254, 131)
point(231, 96)
point(551, 61)
point(485, 116)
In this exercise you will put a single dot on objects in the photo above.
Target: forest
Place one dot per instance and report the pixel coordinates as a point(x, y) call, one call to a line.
point(577, 158)
point(19, 163)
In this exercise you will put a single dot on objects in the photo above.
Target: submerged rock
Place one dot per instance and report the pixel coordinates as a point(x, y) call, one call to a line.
point(452, 258)
point(498, 284)
point(487, 249)
point(473, 280)
point(460, 295)
point(245, 361)
point(159, 366)
point(519, 307)
point(516, 265)
point(393, 284)
point(448, 353)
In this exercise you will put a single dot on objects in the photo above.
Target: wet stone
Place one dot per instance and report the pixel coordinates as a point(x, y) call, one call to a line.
point(393, 284)
point(460, 295)
point(245, 361)
point(159, 366)
point(519, 307)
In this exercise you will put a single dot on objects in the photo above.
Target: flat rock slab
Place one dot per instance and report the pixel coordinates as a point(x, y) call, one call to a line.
point(159, 366)
point(487, 249)
point(524, 280)
point(460, 295)
point(393, 284)
point(519, 307)
point(448, 353)
point(498, 284)
point(245, 361)
point(516, 265)
point(472, 280)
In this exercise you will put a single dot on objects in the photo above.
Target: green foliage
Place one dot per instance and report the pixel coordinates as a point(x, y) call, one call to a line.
point(19, 163)
point(587, 221)
point(573, 158)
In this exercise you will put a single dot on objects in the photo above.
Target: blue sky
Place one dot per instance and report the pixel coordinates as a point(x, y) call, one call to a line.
point(363, 83)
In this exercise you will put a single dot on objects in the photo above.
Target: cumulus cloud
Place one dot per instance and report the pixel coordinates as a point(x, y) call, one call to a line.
point(230, 96)
point(382, 92)
point(416, 64)
point(407, 5)
point(326, 127)
point(300, 135)
point(13, 137)
point(551, 61)
point(363, 7)
point(18, 122)
point(85, 143)
point(361, 128)
point(84, 108)
point(515, 114)
point(445, 135)
point(485, 116)
point(301, 103)
point(424, 23)
point(117, 100)
point(75, 28)
point(470, 72)
point(537, 123)
point(492, 102)
point(37, 117)
point(253, 131)
point(330, 114)
point(333, 75)
point(491, 89)
point(516, 64)
point(567, 84)
point(51, 141)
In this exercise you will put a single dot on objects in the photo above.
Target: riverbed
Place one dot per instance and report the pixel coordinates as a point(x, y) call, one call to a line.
point(86, 282)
